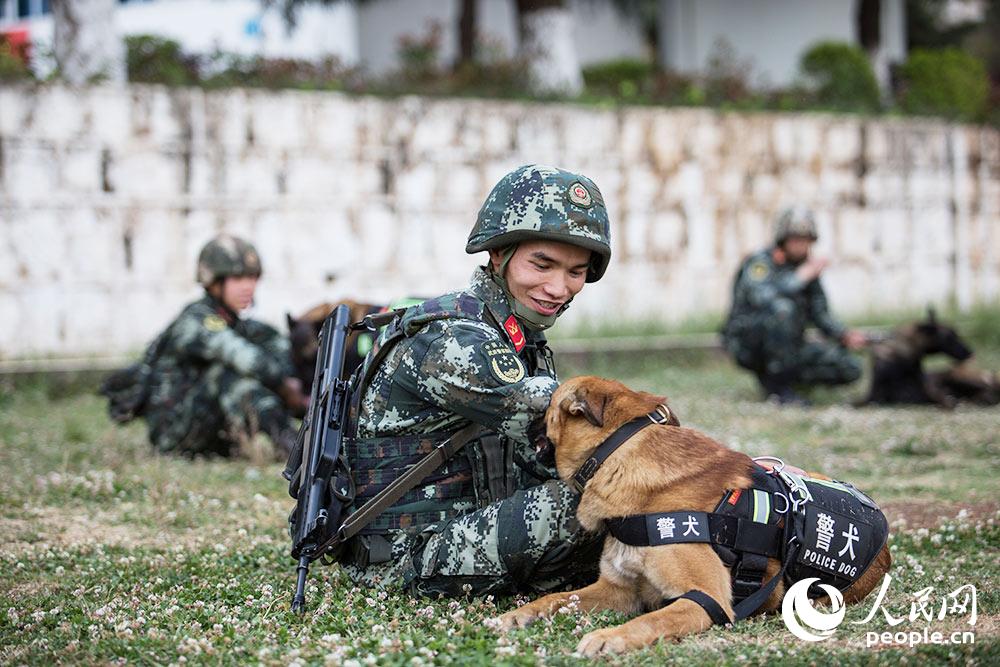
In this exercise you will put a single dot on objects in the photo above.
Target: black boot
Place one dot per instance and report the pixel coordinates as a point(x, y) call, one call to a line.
point(778, 388)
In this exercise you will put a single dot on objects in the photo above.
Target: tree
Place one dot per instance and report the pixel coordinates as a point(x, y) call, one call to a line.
point(86, 43)
point(546, 32)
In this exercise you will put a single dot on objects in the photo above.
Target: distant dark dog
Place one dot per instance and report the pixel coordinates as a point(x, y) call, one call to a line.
point(898, 376)
point(303, 332)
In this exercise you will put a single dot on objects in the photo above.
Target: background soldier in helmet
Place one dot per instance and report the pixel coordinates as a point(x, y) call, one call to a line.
point(494, 517)
point(216, 379)
point(776, 294)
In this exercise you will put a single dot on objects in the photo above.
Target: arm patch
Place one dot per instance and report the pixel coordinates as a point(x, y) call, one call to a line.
point(759, 271)
point(214, 323)
point(504, 365)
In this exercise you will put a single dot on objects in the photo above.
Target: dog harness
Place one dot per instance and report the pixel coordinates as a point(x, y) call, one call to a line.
point(816, 528)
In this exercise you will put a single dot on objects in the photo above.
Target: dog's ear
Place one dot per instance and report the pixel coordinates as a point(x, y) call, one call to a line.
point(931, 315)
point(672, 418)
point(291, 321)
point(586, 404)
point(664, 408)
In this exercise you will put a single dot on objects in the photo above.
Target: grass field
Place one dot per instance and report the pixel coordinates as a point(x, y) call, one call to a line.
point(111, 554)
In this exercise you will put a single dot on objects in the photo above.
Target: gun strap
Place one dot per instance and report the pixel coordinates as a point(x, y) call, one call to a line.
point(408, 480)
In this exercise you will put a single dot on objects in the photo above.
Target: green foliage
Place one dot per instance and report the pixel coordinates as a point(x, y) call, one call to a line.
point(153, 59)
point(619, 78)
point(947, 82)
point(418, 54)
point(841, 77)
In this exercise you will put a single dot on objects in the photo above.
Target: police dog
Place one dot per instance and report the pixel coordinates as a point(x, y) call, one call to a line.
point(663, 468)
point(898, 375)
point(303, 333)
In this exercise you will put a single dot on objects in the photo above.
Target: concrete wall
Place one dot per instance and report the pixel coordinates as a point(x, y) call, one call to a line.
point(106, 195)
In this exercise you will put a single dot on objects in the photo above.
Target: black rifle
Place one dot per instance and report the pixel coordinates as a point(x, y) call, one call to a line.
point(319, 475)
point(319, 478)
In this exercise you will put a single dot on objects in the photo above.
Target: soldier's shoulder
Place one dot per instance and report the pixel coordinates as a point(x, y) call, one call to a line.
point(201, 314)
point(758, 266)
point(460, 305)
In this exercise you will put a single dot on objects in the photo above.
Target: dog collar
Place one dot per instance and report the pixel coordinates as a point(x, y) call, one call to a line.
point(661, 415)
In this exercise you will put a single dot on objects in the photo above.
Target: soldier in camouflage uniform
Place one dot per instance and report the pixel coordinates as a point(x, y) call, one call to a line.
point(493, 518)
point(216, 379)
point(776, 294)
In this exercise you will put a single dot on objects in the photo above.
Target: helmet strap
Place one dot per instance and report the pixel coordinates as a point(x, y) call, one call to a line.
point(530, 318)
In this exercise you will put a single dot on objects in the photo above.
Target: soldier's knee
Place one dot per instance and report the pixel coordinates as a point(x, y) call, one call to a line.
point(781, 308)
point(850, 369)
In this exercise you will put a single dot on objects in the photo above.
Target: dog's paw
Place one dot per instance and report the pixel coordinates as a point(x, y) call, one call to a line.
point(521, 617)
point(603, 642)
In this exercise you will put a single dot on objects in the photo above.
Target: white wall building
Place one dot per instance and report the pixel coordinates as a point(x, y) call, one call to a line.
point(770, 35)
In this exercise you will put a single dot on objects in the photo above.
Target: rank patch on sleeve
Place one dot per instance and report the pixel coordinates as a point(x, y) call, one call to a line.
point(214, 323)
point(504, 364)
point(759, 271)
point(514, 333)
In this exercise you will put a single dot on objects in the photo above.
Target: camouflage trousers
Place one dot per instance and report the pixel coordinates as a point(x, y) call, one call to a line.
point(773, 343)
point(530, 541)
point(215, 414)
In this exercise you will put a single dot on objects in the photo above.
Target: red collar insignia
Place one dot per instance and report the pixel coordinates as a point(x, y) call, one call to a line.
point(514, 332)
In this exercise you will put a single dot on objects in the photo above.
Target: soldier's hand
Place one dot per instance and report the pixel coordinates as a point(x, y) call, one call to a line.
point(811, 269)
point(291, 393)
point(854, 339)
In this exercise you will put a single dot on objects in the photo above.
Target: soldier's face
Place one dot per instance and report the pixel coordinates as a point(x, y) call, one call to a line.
point(237, 292)
point(797, 248)
point(544, 275)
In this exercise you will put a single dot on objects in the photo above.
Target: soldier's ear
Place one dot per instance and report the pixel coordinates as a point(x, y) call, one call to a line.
point(587, 404)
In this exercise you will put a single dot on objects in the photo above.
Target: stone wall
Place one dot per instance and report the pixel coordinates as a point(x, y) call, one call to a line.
point(107, 194)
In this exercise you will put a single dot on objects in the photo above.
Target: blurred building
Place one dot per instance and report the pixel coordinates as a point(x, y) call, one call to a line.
point(768, 37)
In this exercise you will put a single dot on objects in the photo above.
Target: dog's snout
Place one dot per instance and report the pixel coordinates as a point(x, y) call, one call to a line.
point(545, 451)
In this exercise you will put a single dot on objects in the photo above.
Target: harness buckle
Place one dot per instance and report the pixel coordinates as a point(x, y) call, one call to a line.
point(779, 464)
point(661, 415)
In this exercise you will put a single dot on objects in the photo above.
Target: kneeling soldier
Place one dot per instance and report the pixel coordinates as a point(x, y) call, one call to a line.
point(213, 379)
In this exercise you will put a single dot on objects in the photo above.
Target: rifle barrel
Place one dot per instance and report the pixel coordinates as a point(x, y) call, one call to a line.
point(299, 601)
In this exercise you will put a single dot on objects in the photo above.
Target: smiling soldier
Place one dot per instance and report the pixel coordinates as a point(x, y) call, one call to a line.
point(492, 517)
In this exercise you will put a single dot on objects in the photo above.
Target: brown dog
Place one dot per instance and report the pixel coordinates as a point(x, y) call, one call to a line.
point(662, 468)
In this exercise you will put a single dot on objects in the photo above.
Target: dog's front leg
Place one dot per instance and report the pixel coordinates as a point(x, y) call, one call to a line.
point(676, 620)
point(599, 596)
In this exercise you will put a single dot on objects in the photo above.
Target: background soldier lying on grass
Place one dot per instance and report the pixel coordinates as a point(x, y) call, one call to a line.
point(212, 380)
point(776, 295)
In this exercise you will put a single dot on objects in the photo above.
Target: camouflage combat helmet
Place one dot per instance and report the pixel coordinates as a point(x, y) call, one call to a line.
point(226, 256)
point(795, 221)
point(535, 202)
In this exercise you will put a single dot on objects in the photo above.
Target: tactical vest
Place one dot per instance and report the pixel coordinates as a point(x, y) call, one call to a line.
point(838, 531)
point(477, 475)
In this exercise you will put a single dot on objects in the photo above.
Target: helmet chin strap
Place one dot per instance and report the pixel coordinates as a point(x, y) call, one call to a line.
point(530, 318)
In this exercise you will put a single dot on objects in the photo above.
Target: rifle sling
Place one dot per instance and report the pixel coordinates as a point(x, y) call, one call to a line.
point(408, 480)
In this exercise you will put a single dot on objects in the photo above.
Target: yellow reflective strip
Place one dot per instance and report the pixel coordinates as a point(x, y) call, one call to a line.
point(761, 506)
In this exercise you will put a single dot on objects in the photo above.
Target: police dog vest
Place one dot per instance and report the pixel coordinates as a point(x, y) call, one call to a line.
point(838, 530)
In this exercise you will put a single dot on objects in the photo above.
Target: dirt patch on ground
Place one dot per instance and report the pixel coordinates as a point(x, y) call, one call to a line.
point(930, 514)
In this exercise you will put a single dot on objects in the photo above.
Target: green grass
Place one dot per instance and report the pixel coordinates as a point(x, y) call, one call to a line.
point(111, 553)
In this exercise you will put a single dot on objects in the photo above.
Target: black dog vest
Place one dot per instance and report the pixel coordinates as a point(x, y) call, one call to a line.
point(816, 528)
